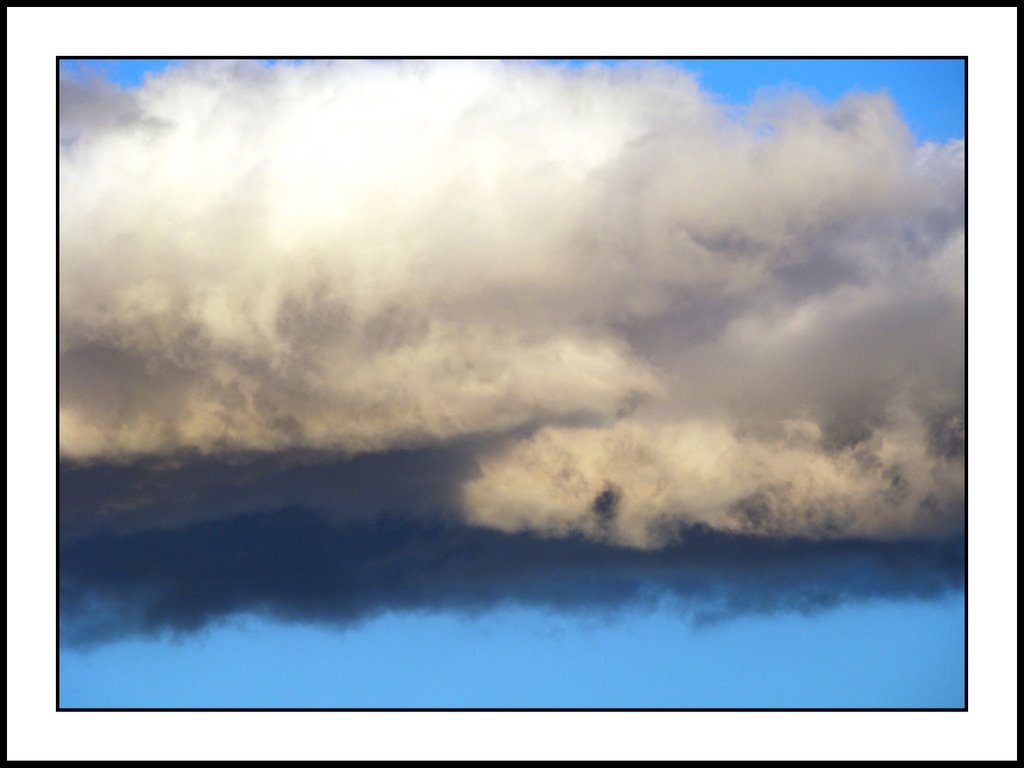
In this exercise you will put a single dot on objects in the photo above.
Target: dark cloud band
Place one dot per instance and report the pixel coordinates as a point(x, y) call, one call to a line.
point(294, 565)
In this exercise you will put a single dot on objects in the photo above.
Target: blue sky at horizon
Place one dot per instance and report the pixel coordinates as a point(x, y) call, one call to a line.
point(913, 655)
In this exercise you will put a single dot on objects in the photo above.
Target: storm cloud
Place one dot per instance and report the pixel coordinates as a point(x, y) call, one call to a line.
point(293, 566)
point(540, 314)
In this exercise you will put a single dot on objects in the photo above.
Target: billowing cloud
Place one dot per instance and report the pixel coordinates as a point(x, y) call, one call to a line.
point(616, 305)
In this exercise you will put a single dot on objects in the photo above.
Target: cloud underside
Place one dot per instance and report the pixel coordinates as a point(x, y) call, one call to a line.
point(294, 566)
point(568, 316)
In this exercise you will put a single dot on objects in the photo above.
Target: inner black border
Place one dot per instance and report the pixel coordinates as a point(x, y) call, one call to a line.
point(56, 136)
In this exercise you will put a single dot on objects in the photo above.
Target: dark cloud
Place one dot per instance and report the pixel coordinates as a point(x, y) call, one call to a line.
point(170, 492)
point(294, 565)
point(606, 503)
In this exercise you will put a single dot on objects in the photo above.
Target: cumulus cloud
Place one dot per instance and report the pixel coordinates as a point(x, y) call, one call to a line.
point(886, 485)
point(623, 305)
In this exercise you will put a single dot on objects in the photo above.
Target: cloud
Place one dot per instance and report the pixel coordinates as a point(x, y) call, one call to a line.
point(293, 565)
point(171, 493)
point(887, 482)
point(614, 304)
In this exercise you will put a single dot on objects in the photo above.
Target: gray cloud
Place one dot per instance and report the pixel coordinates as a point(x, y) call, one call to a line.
point(564, 281)
point(173, 492)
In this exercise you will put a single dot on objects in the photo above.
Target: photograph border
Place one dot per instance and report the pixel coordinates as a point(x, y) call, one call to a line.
point(175, 58)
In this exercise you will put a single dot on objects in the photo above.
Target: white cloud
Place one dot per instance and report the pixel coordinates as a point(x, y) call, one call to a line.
point(368, 256)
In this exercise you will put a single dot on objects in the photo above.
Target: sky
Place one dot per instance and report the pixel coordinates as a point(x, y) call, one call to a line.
point(568, 384)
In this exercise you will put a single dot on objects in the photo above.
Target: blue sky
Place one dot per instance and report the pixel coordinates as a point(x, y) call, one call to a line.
point(886, 654)
point(874, 654)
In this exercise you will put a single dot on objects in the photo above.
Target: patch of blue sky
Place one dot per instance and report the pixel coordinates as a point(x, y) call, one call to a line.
point(880, 654)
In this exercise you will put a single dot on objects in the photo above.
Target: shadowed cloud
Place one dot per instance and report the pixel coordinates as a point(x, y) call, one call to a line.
point(294, 565)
